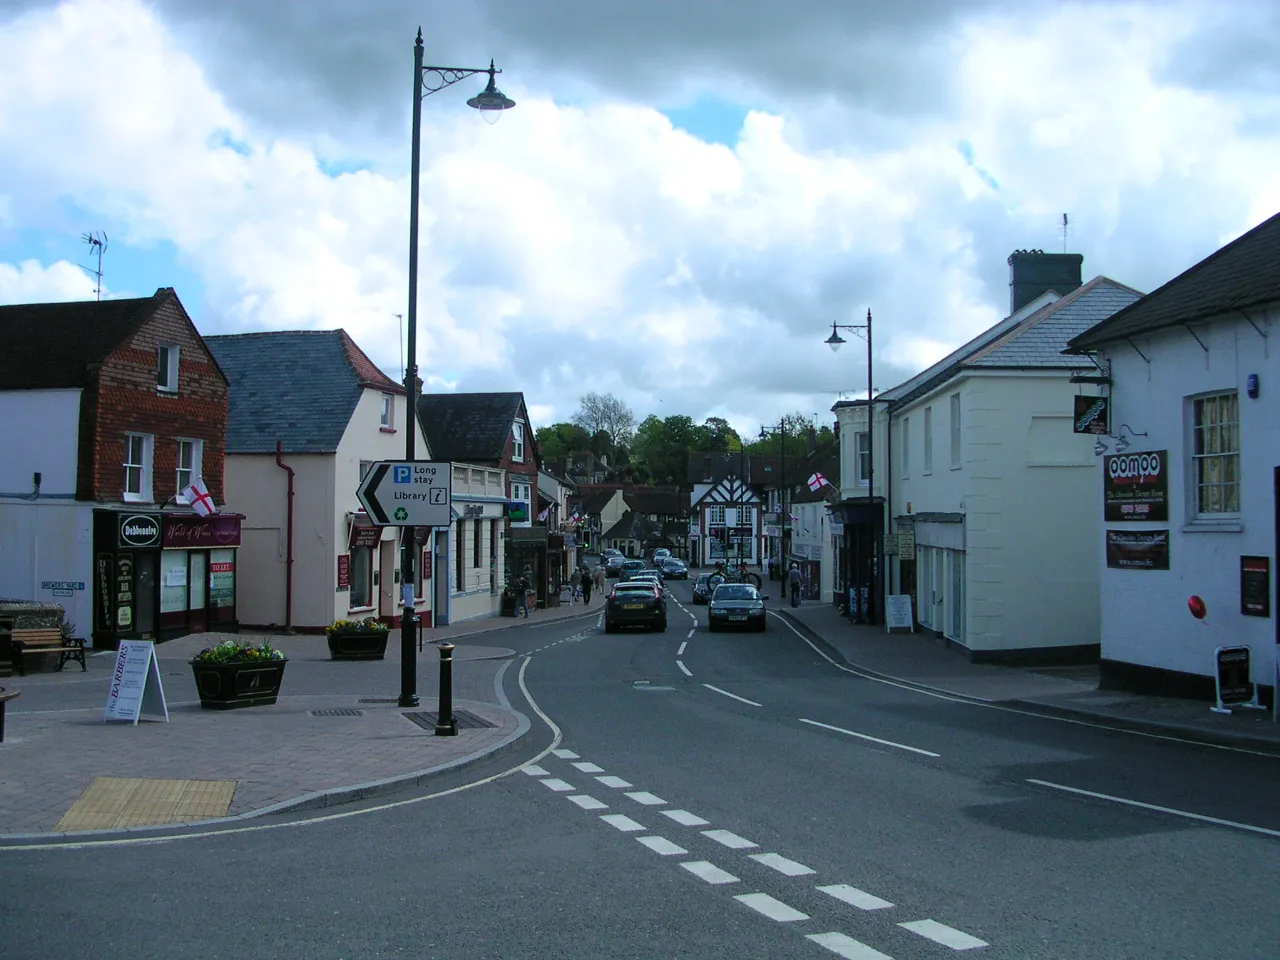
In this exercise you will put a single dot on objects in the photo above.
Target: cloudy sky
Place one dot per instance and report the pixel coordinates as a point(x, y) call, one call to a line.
point(685, 197)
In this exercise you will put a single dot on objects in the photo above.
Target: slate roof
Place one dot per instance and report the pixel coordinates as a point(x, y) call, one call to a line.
point(596, 496)
point(1036, 341)
point(634, 526)
point(760, 470)
point(296, 386)
point(472, 426)
point(1243, 274)
point(656, 502)
point(52, 345)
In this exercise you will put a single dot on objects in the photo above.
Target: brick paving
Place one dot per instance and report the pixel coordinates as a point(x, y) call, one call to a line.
point(56, 741)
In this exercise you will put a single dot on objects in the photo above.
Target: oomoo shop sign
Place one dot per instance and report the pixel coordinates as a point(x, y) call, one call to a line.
point(1136, 486)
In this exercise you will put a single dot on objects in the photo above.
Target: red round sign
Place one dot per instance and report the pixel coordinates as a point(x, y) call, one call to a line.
point(1197, 607)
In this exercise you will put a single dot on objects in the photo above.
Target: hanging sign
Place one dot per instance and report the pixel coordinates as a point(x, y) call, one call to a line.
point(135, 684)
point(1091, 415)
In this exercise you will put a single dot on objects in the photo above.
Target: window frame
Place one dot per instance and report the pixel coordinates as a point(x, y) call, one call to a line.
point(517, 441)
point(459, 568)
point(144, 493)
point(1197, 485)
point(521, 487)
point(194, 472)
point(716, 515)
point(861, 453)
point(928, 440)
point(956, 461)
point(387, 413)
point(475, 544)
point(906, 448)
point(168, 359)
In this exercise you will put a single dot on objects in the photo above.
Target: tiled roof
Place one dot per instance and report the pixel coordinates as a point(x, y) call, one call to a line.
point(472, 426)
point(653, 501)
point(296, 386)
point(1243, 274)
point(51, 345)
point(595, 497)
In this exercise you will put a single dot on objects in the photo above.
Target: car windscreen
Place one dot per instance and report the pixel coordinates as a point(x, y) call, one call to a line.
point(735, 591)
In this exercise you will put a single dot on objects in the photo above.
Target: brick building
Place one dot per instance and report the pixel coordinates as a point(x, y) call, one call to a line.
point(107, 411)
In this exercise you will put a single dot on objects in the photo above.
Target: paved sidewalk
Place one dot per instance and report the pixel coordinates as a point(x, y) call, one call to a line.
point(923, 661)
point(275, 757)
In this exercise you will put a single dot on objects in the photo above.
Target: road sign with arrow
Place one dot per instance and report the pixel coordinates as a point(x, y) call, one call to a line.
point(408, 493)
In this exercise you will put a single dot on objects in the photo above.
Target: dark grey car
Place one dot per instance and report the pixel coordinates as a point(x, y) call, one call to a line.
point(736, 605)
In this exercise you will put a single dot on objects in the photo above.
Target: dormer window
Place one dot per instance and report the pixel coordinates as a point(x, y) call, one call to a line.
point(167, 368)
point(517, 435)
point(388, 409)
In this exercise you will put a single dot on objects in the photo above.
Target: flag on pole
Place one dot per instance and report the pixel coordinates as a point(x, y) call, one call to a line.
point(543, 514)
point(817, 481)
point(197, 495)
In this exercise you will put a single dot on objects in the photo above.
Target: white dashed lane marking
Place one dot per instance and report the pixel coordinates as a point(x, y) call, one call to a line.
point(855, 897)
point(732, 696)
point(566, 754)
point(623, 823)
point(782, 864)
point(683, 644)
point(588, 803)
point(685, 818)
point(941, 933)
point(534, 770)
point(558, 785)
point(771, 908)
point(616, 782)
point(662, 845)
point(688, 636)
point(847, 947)
point(589, 767)
point(648, 799)
point(683, 669)
point(709, 872)
point(863, 736)
point(730, 840)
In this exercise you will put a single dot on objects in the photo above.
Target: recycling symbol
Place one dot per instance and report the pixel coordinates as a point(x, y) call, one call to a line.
point(401, 513)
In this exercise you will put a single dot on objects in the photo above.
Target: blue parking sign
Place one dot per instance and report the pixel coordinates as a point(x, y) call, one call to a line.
point(403, 474)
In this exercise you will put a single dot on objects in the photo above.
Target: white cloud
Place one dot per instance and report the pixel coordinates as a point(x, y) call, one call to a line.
point(32, 282)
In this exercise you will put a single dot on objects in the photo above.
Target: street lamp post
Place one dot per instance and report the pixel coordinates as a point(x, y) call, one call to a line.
point(784, 516)
point(426, 81)
point(835, 341)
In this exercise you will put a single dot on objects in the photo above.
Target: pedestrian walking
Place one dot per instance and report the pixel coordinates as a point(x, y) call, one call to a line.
point(587, 584)
point(600, 579)
point(522, 597)
point(768, 567)
point(794, 580)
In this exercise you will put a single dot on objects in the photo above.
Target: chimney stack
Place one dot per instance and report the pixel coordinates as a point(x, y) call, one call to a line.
point(1033, 272)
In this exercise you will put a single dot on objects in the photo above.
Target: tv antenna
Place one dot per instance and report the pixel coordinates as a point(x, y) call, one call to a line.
point(96, 244)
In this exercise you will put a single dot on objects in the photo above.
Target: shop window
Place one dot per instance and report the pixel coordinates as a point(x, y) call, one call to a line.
point(361, 577)
point(222, 584)
point(173, 581)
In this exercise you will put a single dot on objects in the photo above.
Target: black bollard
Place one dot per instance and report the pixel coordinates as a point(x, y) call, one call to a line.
point(446, 726)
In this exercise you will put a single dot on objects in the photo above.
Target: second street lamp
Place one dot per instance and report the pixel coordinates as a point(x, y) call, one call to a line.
point(490, 102)
point(835, 341)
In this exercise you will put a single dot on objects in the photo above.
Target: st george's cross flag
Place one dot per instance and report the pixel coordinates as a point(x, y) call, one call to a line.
point(197, 495)
point(817, 481)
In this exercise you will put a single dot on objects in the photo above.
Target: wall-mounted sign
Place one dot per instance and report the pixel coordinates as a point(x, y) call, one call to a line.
point(517, 511)
point(1092, 415)
point(1138, 549)
point(1255, 586)
point(364, 534)
point(185, 532)
point(344, 571)
point(906, 541)
point(1135, 486)
point(124, 591)
point(105, 618)
point(473, 510)
point(139, 530)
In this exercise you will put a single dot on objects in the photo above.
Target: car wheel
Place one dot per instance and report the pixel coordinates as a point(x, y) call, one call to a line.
point(711, 627)
point(609, 627)
point(662, 626)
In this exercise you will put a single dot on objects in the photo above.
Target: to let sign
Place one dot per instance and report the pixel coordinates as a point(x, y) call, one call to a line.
point(1255, 586)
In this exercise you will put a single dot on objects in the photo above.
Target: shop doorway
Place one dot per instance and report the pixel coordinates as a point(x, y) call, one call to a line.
point(198, 577)
point(146, 593)
point(388, 581)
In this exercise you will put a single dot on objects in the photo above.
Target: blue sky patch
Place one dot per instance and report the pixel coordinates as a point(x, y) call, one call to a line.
point(966, 151)
point(223, 138)
point(710, 119)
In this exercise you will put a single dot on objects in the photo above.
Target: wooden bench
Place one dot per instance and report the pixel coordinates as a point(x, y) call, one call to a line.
point(5, 698)
point(45, 640)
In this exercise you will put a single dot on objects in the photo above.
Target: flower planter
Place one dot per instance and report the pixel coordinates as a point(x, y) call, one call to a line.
point(357, 644)
point(224, 686)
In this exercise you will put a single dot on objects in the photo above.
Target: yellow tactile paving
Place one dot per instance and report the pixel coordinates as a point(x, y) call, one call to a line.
point(111, 802)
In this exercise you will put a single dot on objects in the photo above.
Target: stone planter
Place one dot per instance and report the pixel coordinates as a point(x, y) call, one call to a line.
point(225, 686)
point(357, 645)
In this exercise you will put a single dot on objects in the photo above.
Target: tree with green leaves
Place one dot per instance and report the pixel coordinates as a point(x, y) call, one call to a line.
point(561, 439)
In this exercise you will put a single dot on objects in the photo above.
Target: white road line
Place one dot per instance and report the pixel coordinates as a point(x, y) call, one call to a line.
point(616, 782)
point(733, 696)
point(534, 770)
point(771, 908)
point(680, 664)
point(689, 635)
point(623, 823)
point(1233, 824)
point(662, 845)
point(847, 947)
point(708, 872)
point(941, 933)
point(863, 736)
point(731, 840)
point(586, 767)
point(782, 864)
point(648, 799)
point(588, 803)
point(855, 897)
point(683, 644)
point(558, 785)
point(685, 818)
point(566, 755)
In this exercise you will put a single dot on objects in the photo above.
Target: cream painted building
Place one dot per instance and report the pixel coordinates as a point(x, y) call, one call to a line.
point(477, 545)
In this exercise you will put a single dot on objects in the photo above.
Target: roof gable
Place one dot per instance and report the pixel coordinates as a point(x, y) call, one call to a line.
point(299, 387)
point(473, 426)
point(53, 345)
point(1243, 274)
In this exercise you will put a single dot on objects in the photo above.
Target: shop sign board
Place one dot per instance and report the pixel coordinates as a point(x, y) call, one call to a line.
point(1255, 586)
point(1138, 549)
point(139, 530)
point(1091, 415)
point(898, 613)
point(1135, 486)
point(136, 688)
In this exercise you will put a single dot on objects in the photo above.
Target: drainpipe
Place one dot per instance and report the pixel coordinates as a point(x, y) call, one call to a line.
point(288, 575)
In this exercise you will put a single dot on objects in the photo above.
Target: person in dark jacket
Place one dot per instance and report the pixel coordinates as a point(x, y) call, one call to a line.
point(587, 583)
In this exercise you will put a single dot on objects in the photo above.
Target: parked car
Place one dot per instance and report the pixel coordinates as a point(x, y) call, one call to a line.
point(629, 567)
point(660, 554)
point(610, 552)
point(613, 564)
point(673, 569)
point(705, 585)
point(736, 605)
point(635, 604)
